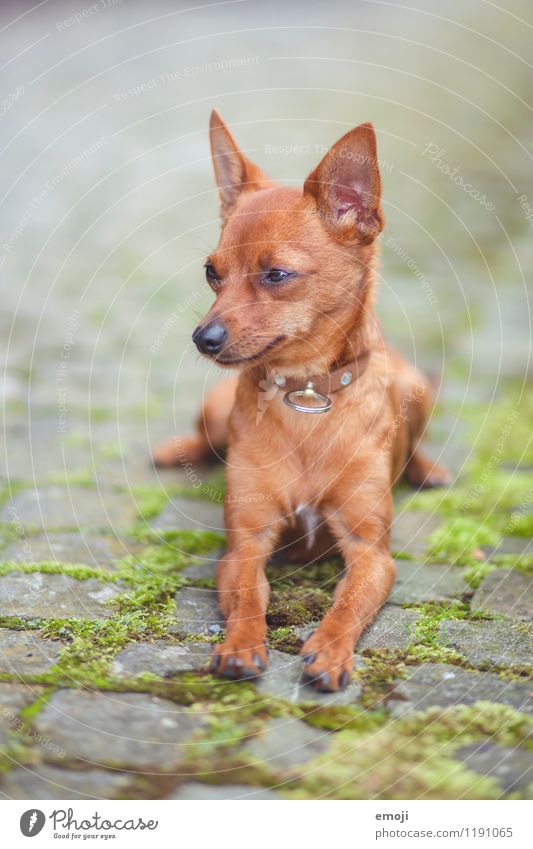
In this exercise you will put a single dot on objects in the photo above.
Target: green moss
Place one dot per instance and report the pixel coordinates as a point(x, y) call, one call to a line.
point(150, 501)
point(323, 574)
point(185, 542)
point(378, 675)
point(426, 629)
point(52, 567)
point(28, 713)
point(521, 525)
point(292, 606)
point(457, 538)
point(490, 498)
point(285, 639)
point(340, 718)
point(412, 757)
point(112, 450)
point(83, 477)
point(475, 573)
point(520, 563)
point(211, 488)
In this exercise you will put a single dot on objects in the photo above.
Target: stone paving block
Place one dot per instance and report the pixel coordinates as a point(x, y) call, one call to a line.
point(71, 547)
point(507, 592)
point(56, 507)
point(37, 451)
point(129, 730)
point(411, 529)
point(49, 782)
point(391, 629)
point(443, 685)
point(510, 545)
point(512, 768)
point(26, 652)
point(14, 697)
point(203, 566)
point(416, 583)
point(161, 658)
point(190, 513)
point(197, 611)
point(481, 643)
point(282, 680)
point(54, 596)
point(227, 792)
point(288, 743)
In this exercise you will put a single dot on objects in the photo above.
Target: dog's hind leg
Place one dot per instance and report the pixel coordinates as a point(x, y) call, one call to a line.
point(211, 435)
point(420, 470)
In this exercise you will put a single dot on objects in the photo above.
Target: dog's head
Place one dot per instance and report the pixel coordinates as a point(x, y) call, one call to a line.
point(290, 272)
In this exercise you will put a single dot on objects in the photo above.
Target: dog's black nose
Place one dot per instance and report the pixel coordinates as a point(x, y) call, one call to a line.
point(211, 338)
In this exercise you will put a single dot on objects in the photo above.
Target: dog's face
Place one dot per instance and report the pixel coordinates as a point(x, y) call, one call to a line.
point(289, 272)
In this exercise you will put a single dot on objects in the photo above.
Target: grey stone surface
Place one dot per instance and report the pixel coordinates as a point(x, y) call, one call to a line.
point(98, 304)
point(481, 643)
point(55, 507)
point(512, 768)
point(190, 513)
point(392, 629)
point(282, 680)
point(202, 567)
point(197, 611)
point(161, 658)
point(87, 548)
point(130, 730)
point(54, 596)
point(50, 782)
point(26, 652)
point(410, 530)
point(443, 685)
point(287, 744)
point(418, 582)
point(227, 792)
point(507, 592)
point(511, 545)
point(14, 697)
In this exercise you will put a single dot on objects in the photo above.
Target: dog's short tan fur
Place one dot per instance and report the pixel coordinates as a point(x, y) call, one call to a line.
point(294, 477)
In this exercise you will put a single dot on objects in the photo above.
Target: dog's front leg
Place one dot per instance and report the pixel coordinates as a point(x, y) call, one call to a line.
point(370, 572)
point(243, 593)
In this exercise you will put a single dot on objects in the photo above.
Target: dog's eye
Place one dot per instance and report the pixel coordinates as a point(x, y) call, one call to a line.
point(275, 275)
point(210, 273)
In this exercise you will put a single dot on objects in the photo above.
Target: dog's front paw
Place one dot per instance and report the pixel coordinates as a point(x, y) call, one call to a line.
point(233, 659)
point(328, 662)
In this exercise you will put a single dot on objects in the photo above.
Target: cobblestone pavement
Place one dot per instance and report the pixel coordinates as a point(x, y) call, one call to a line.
point(107, 604)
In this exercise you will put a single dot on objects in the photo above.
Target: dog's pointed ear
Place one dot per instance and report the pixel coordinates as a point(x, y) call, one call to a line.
point(346, 187)
point(234, 172)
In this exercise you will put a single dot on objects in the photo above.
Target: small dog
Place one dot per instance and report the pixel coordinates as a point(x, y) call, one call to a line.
point(323, 418)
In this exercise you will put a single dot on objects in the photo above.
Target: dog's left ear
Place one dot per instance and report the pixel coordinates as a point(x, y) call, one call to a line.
point(234, 172)
point(346, 186)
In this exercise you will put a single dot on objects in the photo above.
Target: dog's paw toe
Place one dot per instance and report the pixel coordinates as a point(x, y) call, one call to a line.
point(236, 663)
point(327, 667)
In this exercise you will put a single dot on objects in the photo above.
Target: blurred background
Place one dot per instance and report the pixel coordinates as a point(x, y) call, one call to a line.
point(108, 204)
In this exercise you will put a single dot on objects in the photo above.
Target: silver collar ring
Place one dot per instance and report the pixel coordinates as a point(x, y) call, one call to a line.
point(310, 393)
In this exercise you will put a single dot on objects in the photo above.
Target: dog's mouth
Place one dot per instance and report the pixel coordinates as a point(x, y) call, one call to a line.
point(225, 360)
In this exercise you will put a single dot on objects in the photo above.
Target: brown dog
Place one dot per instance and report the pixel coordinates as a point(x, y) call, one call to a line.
point(322, 418)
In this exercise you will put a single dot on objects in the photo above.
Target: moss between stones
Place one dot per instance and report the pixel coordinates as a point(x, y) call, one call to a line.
point(293, 606)
point(79, 571)
point(412, 757)
point(185, 542)
point(491, 499)
point(212, 488)
point(285, 639)
point(426, 629)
